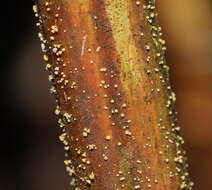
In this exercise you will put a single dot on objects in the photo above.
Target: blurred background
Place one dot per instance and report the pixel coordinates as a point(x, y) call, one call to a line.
point(31, 154)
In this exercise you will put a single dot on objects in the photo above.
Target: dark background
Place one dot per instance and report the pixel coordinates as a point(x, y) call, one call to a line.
point(31, 156)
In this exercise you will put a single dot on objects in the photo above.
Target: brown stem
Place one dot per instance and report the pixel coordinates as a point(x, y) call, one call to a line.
point(114, 99)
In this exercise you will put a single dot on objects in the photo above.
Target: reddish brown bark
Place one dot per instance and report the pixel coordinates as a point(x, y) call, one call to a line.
point(115, 103)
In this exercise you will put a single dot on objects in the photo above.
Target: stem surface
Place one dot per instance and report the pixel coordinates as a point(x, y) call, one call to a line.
point(115, 103)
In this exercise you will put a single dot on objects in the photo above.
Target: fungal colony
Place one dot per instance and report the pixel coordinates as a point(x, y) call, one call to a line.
point(114, 101)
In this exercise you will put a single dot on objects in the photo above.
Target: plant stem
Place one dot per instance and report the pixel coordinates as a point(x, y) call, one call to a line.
point(115, 103)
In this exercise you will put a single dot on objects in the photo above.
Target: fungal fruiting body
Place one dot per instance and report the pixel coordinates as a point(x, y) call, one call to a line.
point(115, 105)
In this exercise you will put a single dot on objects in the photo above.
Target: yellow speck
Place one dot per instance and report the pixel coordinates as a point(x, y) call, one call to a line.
point(45, 57)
